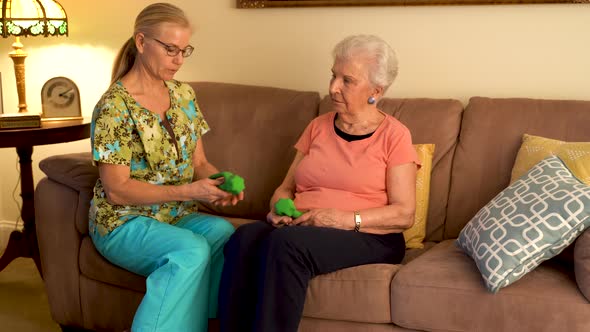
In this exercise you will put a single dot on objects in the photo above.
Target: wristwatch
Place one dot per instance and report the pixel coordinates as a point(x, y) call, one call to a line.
point(357, 221)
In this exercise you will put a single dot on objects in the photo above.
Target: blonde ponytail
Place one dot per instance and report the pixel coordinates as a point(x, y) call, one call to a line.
point(124, 60)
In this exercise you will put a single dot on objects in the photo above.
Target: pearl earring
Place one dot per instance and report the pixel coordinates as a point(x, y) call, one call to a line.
point(371, 100)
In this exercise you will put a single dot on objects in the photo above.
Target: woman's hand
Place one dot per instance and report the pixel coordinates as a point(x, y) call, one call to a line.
point(230, 199)
point(278, 221)
point(332, 218)
point(206, 190)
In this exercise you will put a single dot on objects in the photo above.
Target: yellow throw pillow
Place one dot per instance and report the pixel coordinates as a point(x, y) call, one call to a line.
point(575, 155)
point(415, 234)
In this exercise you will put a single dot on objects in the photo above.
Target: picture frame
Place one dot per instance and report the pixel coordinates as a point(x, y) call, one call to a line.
point(334, 3)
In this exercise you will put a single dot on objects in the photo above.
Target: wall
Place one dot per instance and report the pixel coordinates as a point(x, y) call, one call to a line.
point(539, 51)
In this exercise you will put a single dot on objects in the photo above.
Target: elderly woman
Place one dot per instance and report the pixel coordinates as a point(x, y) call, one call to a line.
point(354, 176)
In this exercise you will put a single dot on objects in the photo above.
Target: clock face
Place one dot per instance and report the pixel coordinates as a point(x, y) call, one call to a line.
point(60, 98)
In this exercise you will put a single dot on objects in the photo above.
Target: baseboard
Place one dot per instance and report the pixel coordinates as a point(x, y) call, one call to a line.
point(6, 227)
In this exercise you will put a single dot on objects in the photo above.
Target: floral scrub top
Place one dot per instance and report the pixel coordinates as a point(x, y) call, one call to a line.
point(125, 133)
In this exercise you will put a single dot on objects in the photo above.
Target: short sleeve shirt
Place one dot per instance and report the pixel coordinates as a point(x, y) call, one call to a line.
point(125, 133)
point(335, 173)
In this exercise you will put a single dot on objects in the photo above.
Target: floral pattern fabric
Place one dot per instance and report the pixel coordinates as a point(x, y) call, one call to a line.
point(125, 133)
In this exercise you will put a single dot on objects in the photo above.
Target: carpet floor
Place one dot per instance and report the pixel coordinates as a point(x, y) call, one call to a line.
point(23, 302)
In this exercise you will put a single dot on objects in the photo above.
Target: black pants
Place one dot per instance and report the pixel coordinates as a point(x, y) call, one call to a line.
point(267, 270)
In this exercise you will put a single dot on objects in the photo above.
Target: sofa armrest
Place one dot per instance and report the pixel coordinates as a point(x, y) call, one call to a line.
point(74, 170)
point(56, 207)
point(62, 200)
point(582, 263)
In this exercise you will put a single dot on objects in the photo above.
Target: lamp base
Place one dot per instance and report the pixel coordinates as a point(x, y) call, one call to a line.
point(19, 120)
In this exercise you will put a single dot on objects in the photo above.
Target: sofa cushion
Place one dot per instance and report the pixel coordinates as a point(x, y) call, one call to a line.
point(532, 220)
point(253, 131)
point(491, 134)
point(329, 295)
point(324, 325)
point(576, 155)
point(96, 267)
point(430, 121)
point(412, 254)
point(582, 263)
point(442, 290)
point(415, 234)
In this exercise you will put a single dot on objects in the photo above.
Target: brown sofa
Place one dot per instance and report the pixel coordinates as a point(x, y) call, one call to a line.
point(435, 289)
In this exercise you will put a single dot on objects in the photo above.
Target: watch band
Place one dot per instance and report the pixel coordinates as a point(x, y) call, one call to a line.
point(357, 221)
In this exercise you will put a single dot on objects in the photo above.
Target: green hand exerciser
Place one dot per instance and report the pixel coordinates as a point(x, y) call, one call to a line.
point(233, 183)
point(286, 207)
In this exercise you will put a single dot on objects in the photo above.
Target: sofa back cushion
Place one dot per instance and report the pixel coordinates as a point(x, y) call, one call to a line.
point(253, 130)
point(491, 135)
point(435, 121)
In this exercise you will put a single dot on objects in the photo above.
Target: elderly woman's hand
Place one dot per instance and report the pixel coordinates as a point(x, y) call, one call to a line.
point(278, 221)
point(332, 218)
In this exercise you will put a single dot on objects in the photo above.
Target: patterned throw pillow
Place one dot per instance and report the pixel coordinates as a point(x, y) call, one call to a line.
point(529, 222)
point(576, 155)
point(415, 234)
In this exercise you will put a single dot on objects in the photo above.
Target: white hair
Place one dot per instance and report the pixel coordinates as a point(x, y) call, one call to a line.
point(383, 67)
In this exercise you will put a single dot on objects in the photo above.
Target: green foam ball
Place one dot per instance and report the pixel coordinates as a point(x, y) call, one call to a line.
point(233, 183)
point(286, 207)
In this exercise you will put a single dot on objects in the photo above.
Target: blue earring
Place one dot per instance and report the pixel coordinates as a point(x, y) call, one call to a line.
point(371, 100)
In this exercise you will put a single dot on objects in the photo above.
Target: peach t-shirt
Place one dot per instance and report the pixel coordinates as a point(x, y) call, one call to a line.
point(345, 175)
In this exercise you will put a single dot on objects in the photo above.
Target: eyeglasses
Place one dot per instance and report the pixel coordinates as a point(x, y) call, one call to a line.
point(173, 50)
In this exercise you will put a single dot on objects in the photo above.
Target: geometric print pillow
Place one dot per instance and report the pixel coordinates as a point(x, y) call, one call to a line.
point(532, 220)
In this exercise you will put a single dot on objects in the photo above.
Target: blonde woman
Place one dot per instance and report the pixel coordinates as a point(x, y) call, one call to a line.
point(146, 141)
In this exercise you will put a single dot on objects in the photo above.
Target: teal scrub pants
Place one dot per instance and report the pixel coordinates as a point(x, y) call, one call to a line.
point(182, 263)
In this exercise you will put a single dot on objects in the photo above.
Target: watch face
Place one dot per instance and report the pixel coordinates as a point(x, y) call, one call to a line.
point(60, 98)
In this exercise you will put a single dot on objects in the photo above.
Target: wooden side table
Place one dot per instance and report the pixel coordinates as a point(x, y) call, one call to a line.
point(24, 243)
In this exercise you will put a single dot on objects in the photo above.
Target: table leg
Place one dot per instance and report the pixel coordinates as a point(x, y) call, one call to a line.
point(24, 243)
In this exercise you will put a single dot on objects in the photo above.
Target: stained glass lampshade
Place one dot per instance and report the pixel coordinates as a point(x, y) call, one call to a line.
point(29, 18)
